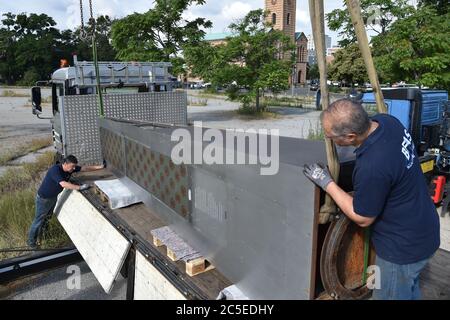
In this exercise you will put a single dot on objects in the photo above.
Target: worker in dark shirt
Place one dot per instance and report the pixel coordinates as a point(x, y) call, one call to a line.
point(56, 179)
point(390, 195)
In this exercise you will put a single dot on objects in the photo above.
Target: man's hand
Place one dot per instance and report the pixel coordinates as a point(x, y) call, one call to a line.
point(84, 187)
point(319, 174)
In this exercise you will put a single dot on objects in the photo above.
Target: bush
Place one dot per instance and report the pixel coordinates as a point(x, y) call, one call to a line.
point(29, 78)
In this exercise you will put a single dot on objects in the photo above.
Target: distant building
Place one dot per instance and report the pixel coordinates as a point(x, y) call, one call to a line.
point(283, 16)
point(217, 38)
point(331, 52)
point(312, 56)
point(327, 41)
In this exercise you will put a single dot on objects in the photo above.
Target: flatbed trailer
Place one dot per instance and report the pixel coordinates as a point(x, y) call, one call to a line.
point(169, 278)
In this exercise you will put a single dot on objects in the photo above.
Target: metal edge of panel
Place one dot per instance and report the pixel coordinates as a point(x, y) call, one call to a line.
point(61, 109)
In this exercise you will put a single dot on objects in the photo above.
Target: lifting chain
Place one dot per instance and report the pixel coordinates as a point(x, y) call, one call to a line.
point(83, 33)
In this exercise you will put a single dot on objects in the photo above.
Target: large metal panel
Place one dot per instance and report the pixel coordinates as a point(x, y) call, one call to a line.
point(258, 230)
point(80, 130)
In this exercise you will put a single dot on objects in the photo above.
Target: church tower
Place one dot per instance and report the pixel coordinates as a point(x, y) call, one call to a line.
point(282, 15)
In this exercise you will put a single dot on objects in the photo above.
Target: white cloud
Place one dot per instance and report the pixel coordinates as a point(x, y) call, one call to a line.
point(235, 10)
point(67, 13)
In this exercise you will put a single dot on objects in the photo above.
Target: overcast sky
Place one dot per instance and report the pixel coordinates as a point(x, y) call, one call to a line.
point(221, 12)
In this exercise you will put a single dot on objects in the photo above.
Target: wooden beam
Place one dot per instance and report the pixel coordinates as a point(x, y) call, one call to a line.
point(354, 8)
point(316, 10)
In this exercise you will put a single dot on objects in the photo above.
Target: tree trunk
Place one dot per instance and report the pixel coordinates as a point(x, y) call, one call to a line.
point(257, 100)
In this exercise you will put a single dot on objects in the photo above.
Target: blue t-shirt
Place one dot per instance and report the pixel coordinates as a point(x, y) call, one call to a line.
point(50, 187)
point(389, 184)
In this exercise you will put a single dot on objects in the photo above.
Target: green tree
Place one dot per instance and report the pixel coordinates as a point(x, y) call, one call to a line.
point(442, 6)
point(378, 15)
point(416, 49)
point(83, 43)
point(256, 57)
point(159, 34)
point(348, 66)
point(313, 72)
point(28, 43)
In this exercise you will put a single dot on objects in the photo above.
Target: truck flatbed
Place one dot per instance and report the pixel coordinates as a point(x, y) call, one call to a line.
point(135, 222)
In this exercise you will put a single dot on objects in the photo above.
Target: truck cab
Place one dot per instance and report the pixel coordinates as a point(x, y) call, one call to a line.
point(131, 90)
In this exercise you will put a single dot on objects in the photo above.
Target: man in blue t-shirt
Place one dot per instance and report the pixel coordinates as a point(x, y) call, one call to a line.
point(56, 179)
point(390, 194)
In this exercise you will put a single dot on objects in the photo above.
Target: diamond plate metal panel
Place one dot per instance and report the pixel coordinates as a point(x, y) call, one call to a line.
point(113, 149)
point(80, 124)
point(81, 131)
point(157, 174)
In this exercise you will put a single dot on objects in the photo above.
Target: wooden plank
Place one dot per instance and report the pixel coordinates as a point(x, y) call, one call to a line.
point(435, 278)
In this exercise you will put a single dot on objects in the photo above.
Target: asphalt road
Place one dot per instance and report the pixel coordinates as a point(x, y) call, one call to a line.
point(59, 284)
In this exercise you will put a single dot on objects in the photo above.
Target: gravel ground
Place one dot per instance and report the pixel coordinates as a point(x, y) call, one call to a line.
point(18, 126)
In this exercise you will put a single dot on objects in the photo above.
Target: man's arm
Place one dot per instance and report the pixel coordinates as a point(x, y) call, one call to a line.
point(319, 174)
point(345, 202)
point(68, 185)
point(91, 168)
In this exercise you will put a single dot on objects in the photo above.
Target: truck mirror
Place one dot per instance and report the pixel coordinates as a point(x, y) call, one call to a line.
point(36, 100)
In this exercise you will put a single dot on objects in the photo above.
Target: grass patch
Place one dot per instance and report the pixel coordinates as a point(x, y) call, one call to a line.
point(316, 133)
point(32, 146)
point(250, 113)
point(16, 179)
point(11, 93)
point(17, 196)
point(198, 103)
point(292, 102)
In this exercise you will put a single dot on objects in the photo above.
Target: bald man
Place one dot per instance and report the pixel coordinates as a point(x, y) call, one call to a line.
point(390, 195)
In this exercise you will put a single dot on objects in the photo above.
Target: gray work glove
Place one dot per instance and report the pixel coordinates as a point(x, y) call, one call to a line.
point(319, 174)
point(84, 187)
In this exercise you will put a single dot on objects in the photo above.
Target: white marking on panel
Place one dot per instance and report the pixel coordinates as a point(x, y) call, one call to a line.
point(150, 284)
point(102, 247)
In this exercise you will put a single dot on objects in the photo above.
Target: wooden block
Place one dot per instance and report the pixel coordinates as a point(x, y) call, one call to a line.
point(171, 255)
point(157, 242)
point(198, 266)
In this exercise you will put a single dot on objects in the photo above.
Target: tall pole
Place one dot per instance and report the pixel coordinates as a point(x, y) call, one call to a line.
point(354, 8)
point(316, 10)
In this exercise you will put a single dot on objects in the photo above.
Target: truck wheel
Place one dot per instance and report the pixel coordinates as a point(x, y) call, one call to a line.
point(342, 260)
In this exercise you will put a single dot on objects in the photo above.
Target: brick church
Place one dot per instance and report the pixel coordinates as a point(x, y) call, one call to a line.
point(282, 16)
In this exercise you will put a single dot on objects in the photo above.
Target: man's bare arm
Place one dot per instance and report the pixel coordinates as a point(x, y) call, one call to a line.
point(91, 168)
point(345, 202)
point(68, 185)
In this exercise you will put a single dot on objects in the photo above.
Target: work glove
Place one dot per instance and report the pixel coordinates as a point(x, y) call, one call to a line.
point(319, 174)
point(84, 187)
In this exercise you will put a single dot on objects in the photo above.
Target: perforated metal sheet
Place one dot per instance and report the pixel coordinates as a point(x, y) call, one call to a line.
point(80, 124)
